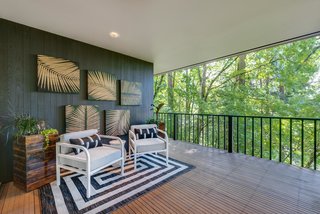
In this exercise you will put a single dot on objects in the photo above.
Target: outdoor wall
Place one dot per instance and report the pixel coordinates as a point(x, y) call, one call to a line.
point(19, 47)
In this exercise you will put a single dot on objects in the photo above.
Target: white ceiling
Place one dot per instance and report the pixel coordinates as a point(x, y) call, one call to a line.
point(170, 33)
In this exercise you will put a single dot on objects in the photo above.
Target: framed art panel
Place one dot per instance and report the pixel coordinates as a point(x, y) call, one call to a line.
point(57, 75)
point(130, 93)
point(117, 122)
point(82, 117)
point(101, 86)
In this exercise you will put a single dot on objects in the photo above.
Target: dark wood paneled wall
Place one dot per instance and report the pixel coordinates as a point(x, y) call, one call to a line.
point(19, 46)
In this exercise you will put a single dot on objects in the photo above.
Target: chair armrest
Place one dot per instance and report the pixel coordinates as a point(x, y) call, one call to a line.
point(72, 146)
point(114, 138)
point(132, 136)
point(111, 137)
point(132, 139)
point(72, 157)
point(165, 134)
point(166, 139)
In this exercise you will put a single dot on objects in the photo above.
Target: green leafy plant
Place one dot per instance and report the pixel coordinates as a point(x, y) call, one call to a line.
point(25, 125)
point(46, 133)
point(7, 128)
point(160, 124)
point(157, 109)
point(152, 121)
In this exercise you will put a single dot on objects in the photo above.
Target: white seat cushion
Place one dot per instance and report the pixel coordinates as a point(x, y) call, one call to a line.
point(150, 144)
point(100, 156)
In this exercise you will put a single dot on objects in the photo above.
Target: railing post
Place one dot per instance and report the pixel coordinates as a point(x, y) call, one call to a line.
point(230, 134)
point(174, 126)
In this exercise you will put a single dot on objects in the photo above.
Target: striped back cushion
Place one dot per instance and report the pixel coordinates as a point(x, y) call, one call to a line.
point(90, 142)
point(146, 133)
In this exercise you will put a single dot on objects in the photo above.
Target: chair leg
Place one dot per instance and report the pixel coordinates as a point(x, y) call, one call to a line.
point(167, 157)
point(122, 166)
point(58, 175)
point(129, 152)
point(88, 186)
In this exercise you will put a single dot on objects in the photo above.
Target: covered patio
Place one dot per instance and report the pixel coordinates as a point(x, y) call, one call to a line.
point(221, 182)
point(239, 163)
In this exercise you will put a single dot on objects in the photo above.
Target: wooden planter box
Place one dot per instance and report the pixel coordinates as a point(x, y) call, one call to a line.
point(33, 166)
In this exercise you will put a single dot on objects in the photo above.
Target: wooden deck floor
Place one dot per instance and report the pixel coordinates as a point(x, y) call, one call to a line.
point(220, 183)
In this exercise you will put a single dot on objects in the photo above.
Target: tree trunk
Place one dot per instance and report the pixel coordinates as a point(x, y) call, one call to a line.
point(170, 91)
point(188, 98)
point(157, 85)
point(203, 80)
point(281, 92)
point(241, 66)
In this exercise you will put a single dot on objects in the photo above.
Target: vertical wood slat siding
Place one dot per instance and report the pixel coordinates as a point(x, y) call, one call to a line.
point(5, 151)
point(19, 46)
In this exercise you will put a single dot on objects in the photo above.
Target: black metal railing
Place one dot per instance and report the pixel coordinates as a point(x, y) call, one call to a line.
point(284, 139)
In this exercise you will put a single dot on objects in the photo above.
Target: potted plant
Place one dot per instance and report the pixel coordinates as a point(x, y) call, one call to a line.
point(50, 135)
point(25, 125)
point(160, 124)
point(18, 126)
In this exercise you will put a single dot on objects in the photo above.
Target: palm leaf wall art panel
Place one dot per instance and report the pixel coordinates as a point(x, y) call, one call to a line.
point(117, 122)
point(101, 86)
point(130, 93)
point(57, 75)
point(82, 117)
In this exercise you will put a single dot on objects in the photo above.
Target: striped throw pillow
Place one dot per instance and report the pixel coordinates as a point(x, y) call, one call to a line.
point(146, 133)
point(89, 142)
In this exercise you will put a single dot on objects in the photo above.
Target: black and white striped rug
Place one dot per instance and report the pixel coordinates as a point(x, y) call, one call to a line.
point(109, 190)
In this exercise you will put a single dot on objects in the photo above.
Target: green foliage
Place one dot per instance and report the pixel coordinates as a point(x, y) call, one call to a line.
point(278, 81)
point(25, 125)
point(157, 109)
point(152, 121)
point(46, 134)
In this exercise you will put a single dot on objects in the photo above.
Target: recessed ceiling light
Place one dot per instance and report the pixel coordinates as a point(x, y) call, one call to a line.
point(114, 34)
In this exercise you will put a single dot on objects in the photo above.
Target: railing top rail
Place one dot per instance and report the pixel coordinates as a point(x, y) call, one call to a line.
point(244, 116)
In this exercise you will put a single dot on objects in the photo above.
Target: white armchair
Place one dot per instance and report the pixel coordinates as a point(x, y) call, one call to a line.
point(149, 145)
point(89, 161)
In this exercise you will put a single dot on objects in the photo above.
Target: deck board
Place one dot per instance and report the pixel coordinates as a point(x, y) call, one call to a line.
point(219, 183)
point(235, 183)
point(3, 194)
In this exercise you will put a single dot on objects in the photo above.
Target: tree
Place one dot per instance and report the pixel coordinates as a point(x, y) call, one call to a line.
point(278, 81)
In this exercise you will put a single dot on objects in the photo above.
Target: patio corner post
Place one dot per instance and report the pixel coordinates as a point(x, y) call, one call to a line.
point(230, 137)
